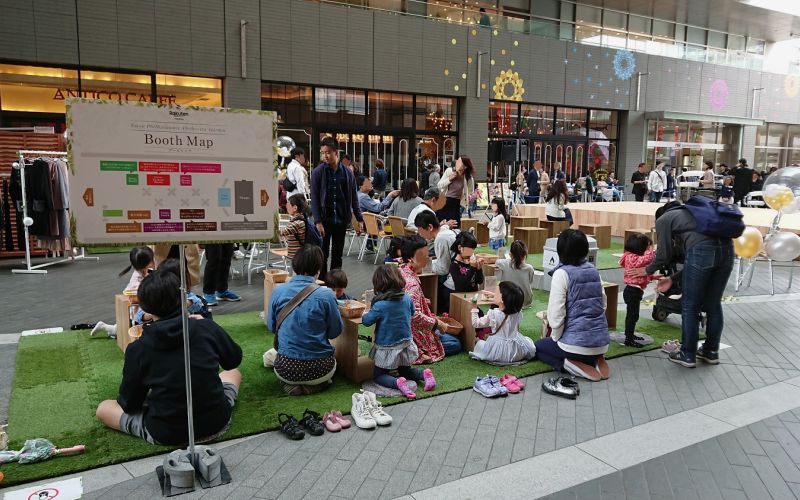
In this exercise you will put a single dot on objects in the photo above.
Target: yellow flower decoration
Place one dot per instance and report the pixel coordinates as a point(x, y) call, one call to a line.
point(791, 85)
point(505, 79)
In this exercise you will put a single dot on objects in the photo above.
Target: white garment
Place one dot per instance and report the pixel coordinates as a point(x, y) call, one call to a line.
point(657, 181)
point(497, 227)
point(441, 246)
point(555, 207)
point(506, 345)
point(557, 314)
point(422, 207)
point(297, 174)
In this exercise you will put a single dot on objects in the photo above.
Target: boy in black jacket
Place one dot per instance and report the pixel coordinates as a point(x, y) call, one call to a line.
point(152, 396)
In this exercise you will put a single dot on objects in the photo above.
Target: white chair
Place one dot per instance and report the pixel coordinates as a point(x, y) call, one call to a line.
point(755, 199)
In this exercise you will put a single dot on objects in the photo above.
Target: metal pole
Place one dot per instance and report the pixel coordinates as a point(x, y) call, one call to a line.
point(243, 45)
point(639, 87)
point(753, 104)
point(25, 211)
point(480, 65)
point(186, 357)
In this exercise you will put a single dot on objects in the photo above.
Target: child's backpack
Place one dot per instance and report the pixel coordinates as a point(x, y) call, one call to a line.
point(715, 219)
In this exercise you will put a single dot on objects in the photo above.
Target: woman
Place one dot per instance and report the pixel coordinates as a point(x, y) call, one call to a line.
point(425, 326)
point(436, 176)
point(407, 201)
point(295, 232)
point(457, 184)
point(707, 182)
point(544, 184)
point(556, 201)
point(305, 361)
point(657, 182)
point(521, 187)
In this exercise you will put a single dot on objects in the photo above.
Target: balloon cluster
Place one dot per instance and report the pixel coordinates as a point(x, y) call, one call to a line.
point(781, 193)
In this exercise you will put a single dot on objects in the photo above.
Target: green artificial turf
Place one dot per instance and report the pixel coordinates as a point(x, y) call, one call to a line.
point(108, 249)
point(60, 378)
point(605, 256)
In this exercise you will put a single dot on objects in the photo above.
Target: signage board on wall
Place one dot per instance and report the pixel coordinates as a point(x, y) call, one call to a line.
point(150, 173)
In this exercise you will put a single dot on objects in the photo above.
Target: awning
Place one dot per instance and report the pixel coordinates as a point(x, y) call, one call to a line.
point(696, 117)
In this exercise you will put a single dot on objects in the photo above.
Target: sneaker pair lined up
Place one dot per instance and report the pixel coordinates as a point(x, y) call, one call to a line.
point(689, 361)
point(492, 387)
point(367, 411)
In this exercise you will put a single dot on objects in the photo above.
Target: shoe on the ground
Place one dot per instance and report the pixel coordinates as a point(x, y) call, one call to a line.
point(632, 342)
point(312, 422)
point(579, 369)
point(402, 386)
point(671, 346)
point(330, 423)
point(430, 381)
point(603, 368)
point(210, 298)
point(360, 412)
point(238, 254)
point(110, 330)
point(341, 419)
point(376, 409)
point(485, 387)
point(496, 383)
point(290, 427)
point(510, 383)
point(710, 357)
point(228, 295)
point(561, 386)
point(682, 359)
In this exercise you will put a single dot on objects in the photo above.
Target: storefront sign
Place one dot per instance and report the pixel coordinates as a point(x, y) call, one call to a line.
point(199, 170)
point(685, 145)
point(111, 95)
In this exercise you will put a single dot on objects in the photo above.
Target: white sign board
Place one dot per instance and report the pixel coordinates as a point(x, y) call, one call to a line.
point(69, 489)
point(150, 173)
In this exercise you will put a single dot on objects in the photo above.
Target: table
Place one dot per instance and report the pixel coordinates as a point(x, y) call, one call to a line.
point(612, 297)
point(461, 310)
point(489, 270)
point(122, 313)
point(522, 221)
point(554, 227)
point(601, 233)
point(348, 362)
point(534, 238)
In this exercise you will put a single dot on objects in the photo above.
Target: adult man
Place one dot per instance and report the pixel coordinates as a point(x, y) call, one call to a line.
point(366, 202)
point(429, 199)
point(534, 188)
point(334, 202)
point(443, 238)
point(742, 181)
point(424, 178)
point(296, 172)
point(380, 178)
point(657, 182)
point(639, 182)
point(557, 172)
point(707, 266)
point(436, 175)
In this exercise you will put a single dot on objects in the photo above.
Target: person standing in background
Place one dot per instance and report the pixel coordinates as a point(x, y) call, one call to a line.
point(435, 177)
point(379, 179)
point(742, 181)
point(534, 188)
point(296, 173)
point(639, 182)
point(215, 276)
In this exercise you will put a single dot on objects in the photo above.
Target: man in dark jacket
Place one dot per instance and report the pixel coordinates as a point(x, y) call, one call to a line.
point(742, 181)
point(534, 188)
point(152, 396)
point(379, 179)
point(334, 202)
point(639, 182)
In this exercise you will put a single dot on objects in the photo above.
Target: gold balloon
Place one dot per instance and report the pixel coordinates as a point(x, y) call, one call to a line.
point(749, 244)
point(777, 197)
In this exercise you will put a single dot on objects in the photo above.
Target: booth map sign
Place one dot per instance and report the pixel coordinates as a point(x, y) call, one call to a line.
point(156, 173)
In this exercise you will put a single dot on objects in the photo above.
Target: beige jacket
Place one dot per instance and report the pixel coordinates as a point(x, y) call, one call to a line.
point(469, 186)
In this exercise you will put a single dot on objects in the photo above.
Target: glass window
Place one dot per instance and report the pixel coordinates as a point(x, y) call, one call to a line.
point(340, 106)
point(761, 135)
point(776, 135)
point(637, 24)
point(36, 89)
point(755, 46)
point(602, 124)
point(291, 102)
point(614, 19)
point(639, 42)
point(696, 35)
point(436, 113)
point(502, 118)
point(390, 110)
point(536, 119)
point(663, 29)
point(587, 14)
point(588, 34)
point(717, 39)
point(614, 38)
point(544, 28)
point(736, 42)
point(794, 136)
point(188, 90)
point(120, 87)
point(570, 121)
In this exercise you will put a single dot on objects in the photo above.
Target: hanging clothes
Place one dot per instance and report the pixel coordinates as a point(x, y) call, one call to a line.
point(16, 198)
point(8, 237)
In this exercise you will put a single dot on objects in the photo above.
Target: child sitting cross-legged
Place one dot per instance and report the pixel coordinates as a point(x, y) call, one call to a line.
point(394, 349)
point(505, 345)
point(638, 254)
point(152, 397)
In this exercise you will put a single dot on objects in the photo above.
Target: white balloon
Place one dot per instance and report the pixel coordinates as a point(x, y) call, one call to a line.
point(792, 207)
point(27, 221)
point(783, 246)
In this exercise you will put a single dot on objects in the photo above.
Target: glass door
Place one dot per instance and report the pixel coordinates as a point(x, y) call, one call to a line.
point(568, 156)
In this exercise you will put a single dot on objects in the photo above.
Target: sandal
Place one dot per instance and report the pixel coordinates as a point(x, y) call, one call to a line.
point(290, 427)
point(312, 422)
point(330, 422)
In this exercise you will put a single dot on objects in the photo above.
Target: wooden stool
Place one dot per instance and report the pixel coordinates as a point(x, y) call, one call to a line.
point(534, 238)
point(649, 232)
point(600, 232)
point(466, 224)
point(489, 270)
point(122, 312)
point(482, 234)
point(520, 221)
point(554, 227)
point(612, 296)
point(348, 362)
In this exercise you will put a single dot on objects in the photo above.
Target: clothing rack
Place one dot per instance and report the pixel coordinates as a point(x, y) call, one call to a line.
point(38, 269)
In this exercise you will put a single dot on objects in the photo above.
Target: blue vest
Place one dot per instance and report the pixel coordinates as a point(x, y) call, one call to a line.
point(586, 324)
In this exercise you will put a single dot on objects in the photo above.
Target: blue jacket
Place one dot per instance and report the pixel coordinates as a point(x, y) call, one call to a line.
point(379, 179)
point(319, 193)
point(393, 318)
point(586, 324)
point(306, 331)
point(533, 182)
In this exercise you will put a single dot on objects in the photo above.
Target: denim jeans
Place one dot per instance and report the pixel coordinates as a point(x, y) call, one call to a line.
point(450, 343)
point(706, 270)
point(655, 196)
point(383, 377)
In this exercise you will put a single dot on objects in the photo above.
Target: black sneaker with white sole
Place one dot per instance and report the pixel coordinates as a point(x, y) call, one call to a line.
point(710, 357)
point(682, 359)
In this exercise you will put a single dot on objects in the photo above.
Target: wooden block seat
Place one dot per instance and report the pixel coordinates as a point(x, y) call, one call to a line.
point(600, 232)
point(522, 221)
point(554, 227)
point(534, 238)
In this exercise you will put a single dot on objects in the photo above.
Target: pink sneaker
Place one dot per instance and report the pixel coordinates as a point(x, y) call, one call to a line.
point(430, 382)
point(402, 384)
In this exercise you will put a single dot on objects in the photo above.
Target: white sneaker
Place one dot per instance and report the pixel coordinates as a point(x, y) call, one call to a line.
point(238, 254)
point(376, 409)
point(111, 330)
point(360, 412)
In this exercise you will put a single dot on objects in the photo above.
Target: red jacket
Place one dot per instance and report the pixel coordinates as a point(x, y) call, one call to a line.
point(630, 261)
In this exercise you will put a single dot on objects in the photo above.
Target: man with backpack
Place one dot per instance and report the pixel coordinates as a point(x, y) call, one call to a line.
point(699, 234)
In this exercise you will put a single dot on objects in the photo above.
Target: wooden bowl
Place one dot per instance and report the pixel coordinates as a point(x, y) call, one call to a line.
point(278, 275)
point(352, 309)
point(488, 258)
point(453, 326)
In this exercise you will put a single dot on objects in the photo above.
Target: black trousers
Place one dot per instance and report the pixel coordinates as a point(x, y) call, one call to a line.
point(639, 195)
point(633, 299)
point(218, 266)
point(333, 246)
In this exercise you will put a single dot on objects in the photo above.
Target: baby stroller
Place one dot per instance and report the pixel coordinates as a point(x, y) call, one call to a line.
point(669, 302)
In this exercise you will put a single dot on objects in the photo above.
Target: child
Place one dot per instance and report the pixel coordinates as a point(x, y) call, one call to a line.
point(726, 191)
point(497, 226)
point(295, 231)
point(466, 271)
point(391, 312)
point(518, 271)
point(152, 402)
point(196, 306)
point(638, 253)
point(576, 313)
point(336, 280)
point(395, 252)
point(505, 345)
point(141, 259)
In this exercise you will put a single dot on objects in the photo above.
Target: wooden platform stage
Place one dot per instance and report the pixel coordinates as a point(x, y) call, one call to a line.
point(641, 215)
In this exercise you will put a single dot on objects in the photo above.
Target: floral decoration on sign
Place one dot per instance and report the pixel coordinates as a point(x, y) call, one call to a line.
point(624, 64)
point(505, 79)
point(718, 95)
point(791, 85)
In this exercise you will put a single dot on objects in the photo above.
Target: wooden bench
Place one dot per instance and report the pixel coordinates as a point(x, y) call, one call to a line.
point(554, 227)
point(520, 221)
point(600, 232)
point(534, 238)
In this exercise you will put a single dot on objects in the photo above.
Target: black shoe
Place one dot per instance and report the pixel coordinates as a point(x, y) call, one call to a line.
point(710, 357)
point(639, 338)
point(561, 386)
point(682, 359)
point(312, 422)
point(634, 343)
point(290, 427)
